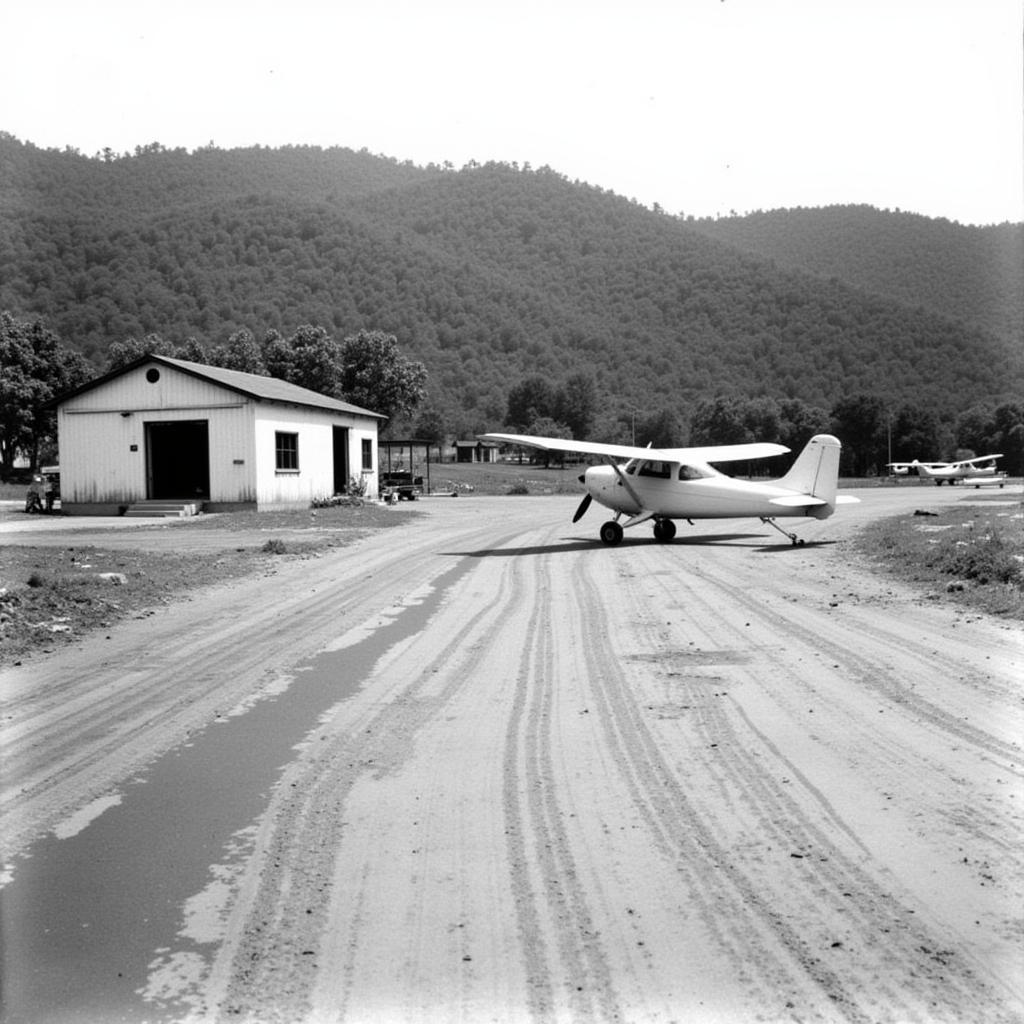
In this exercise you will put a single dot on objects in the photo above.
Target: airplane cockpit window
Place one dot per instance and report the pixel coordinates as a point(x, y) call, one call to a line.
point(658, 469)
point(689, 473)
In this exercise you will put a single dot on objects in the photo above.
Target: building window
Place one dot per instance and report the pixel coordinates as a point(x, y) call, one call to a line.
point(286, 447)
point(367, 453)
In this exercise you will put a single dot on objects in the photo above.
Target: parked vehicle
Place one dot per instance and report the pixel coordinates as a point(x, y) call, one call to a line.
point(401, 486)
point(51, 485)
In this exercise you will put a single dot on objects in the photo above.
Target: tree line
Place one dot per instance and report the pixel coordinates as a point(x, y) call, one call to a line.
point(872, 433)
point(369, 369)
point(366, 369)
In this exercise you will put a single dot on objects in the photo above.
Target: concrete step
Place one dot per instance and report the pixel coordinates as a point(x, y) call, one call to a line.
point(164, 509)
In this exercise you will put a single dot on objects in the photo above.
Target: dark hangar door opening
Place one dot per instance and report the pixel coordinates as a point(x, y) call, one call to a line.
point(340, 460)
point(178, 457)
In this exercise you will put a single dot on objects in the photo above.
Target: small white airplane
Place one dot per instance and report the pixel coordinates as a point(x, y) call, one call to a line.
point(665, 484)
point(951, 472)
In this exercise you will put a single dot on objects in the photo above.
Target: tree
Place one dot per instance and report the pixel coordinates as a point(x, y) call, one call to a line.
point(240, 353)
point(718, 421)
point(660, 429)
point(376, 376)
point(34, 368)
point(316, 360)
point(915, 434)
point(529, 400)
point(860, 423)
point(430, 426)
point(576, 403)
point(547, 427)
point(760, 418)
point(799, 422)
point(277, 355)
point(975, 429)
point(1008, 421)
point(192, 351)
point(123, 353)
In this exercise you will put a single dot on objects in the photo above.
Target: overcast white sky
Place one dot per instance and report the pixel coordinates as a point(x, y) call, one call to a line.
point(703, 106)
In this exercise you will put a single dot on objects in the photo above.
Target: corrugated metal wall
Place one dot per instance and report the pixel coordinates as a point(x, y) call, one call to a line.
point(103, 445)
point(315, 479)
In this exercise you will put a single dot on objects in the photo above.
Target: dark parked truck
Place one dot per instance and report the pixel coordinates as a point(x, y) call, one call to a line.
point(401, 486)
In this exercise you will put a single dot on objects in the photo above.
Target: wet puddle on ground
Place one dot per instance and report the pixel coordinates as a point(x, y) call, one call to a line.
point(90, 908)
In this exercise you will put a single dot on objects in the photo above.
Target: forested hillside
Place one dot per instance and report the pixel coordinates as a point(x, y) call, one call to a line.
point(485, 274)
point(973, 274)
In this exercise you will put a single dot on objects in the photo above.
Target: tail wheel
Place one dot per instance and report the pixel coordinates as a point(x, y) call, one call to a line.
point(611, 533)
point(664, 530)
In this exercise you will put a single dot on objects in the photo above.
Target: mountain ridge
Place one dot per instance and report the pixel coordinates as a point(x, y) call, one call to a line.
point(486, 274)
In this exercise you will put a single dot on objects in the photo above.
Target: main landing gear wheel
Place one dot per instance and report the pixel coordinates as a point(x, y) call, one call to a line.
point(611, 532)
point(664, 530)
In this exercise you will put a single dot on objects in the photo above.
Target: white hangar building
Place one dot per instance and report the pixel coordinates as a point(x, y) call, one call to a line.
point(163, 429)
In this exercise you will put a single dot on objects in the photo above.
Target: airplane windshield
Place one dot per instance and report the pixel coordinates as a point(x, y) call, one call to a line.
point(658, 469)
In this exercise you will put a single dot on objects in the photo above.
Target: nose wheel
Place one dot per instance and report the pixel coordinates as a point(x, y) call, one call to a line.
point(611, 533)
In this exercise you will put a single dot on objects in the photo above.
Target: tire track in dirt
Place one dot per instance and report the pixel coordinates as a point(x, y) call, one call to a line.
point(284, 905)
point(766, 949)
point(874, 671)
point(831, 885)
point(552, 906)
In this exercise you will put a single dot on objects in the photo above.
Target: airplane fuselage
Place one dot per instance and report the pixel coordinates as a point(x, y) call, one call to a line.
point(954, 473)
point(712, 495)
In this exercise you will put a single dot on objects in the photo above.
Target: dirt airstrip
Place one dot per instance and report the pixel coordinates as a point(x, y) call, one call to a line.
point(504, 773)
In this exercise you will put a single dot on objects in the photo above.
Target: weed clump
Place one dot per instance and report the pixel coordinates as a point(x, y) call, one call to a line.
point(980, 557)
point(274, 546)
point(978, 560)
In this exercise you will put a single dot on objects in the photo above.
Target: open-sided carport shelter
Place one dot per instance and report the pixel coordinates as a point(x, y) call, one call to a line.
point(163, 429)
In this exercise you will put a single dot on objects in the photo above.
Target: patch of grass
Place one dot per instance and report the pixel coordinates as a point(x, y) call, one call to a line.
point(972, 554)
point(52, 595)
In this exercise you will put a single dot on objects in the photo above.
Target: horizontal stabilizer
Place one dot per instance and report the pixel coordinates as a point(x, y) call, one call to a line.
point(847, 499)
point(798, 501)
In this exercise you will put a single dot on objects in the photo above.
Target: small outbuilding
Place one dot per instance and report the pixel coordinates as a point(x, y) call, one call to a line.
point(476, 451)
point(163, 429)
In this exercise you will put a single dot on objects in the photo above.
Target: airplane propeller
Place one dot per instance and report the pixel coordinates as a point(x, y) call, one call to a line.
point(584, 505)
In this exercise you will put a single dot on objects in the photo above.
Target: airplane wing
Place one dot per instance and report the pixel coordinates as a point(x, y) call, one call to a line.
point(711, 453)
point(974, 461)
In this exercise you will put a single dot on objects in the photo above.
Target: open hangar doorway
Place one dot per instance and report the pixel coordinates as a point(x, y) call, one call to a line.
point(178, 460)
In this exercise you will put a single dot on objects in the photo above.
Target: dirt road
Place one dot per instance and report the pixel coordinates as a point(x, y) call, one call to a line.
point(543, 780)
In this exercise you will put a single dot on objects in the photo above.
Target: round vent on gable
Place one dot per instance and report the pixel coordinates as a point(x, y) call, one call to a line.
point(152, 375)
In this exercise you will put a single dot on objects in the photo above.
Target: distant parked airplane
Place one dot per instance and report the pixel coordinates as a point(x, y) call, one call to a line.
point(951, 472)
point(665, 484)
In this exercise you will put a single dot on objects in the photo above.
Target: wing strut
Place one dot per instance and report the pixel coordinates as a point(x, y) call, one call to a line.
point(624, 480)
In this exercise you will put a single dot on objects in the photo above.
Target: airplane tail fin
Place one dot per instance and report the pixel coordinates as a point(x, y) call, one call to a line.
point(816, 470)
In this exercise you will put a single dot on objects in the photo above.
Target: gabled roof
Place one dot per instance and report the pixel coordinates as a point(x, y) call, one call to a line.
point(252, 385)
